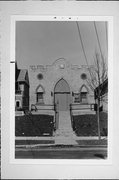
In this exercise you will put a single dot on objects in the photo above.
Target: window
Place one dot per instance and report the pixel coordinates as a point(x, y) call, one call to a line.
point(83, 97)
point(76, 98)
point(18, 104)
point(83, 76)
point(83, 94)
point(40, 76)
point(40, 95)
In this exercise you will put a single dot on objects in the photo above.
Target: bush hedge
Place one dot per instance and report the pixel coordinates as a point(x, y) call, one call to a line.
point(34, 125)
point(37, 125)
point(86, 125)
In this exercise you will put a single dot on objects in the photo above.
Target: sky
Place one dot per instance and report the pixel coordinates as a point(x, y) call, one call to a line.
point(43, 42)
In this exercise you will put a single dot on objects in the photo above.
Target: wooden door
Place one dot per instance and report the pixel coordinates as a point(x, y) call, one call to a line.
point(62, 101)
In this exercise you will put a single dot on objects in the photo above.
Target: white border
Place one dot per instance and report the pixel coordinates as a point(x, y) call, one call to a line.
point(15, 18)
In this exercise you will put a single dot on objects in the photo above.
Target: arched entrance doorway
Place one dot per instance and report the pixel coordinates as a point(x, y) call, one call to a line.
point(62, 95)
point(62, 100)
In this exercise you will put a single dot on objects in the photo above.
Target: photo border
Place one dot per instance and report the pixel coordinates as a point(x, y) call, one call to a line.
point(15, 18)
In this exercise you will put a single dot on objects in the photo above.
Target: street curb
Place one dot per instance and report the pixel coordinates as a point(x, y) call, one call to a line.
point(58, 146)
point(53, 138)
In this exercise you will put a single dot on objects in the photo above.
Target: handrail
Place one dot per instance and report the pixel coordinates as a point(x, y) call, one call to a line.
point(33, 105)
point(38, 104)
point(37, 107)
point(91, 106)
point(44, 109)
point(77, 104)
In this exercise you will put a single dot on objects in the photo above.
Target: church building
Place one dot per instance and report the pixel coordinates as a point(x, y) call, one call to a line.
point(59, 86)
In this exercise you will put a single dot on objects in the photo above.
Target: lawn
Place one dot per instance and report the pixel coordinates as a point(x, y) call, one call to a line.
point(101, 142)
point(33, 142)
point(34, 125)
point(86, 125)
point(43, 125)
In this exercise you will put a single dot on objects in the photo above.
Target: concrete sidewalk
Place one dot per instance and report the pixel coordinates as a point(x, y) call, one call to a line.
point(53, 138)
point(49, 142)
point(53, 148)
point(60, 147)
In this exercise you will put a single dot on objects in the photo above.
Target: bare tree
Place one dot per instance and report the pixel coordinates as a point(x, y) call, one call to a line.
point(98, 75)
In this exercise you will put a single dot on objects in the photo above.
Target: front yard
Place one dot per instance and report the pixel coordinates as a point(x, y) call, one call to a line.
point(34, 125)
point(43, 125)
point(86, 125)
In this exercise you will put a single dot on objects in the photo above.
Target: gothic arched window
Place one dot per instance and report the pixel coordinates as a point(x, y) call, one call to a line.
point(83, 94)
point(39, 95)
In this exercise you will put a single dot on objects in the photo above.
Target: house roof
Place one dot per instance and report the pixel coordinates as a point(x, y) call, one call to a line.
point(23, 76)
point(17, 71)
point(103, 87)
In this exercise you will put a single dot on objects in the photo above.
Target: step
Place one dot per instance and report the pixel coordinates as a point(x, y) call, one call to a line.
point(64, 132)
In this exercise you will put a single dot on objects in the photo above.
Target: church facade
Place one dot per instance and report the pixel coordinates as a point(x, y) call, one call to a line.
point(59, 86)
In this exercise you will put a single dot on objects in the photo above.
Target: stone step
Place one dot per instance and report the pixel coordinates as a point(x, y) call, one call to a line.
point(62, 136)
point(63, 132)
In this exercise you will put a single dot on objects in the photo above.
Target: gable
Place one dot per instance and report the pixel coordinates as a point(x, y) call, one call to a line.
point(23, 76)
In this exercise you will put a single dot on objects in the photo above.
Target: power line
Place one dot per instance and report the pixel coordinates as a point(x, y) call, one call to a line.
point(98, 38)
point(83, 49)
point(82, 43)
point(106, 35)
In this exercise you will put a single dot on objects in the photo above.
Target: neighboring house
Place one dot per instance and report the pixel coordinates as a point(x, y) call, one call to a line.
point(21, 89)
point(104, 95)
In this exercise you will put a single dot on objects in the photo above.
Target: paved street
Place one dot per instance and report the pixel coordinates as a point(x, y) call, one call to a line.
point(61, 153)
